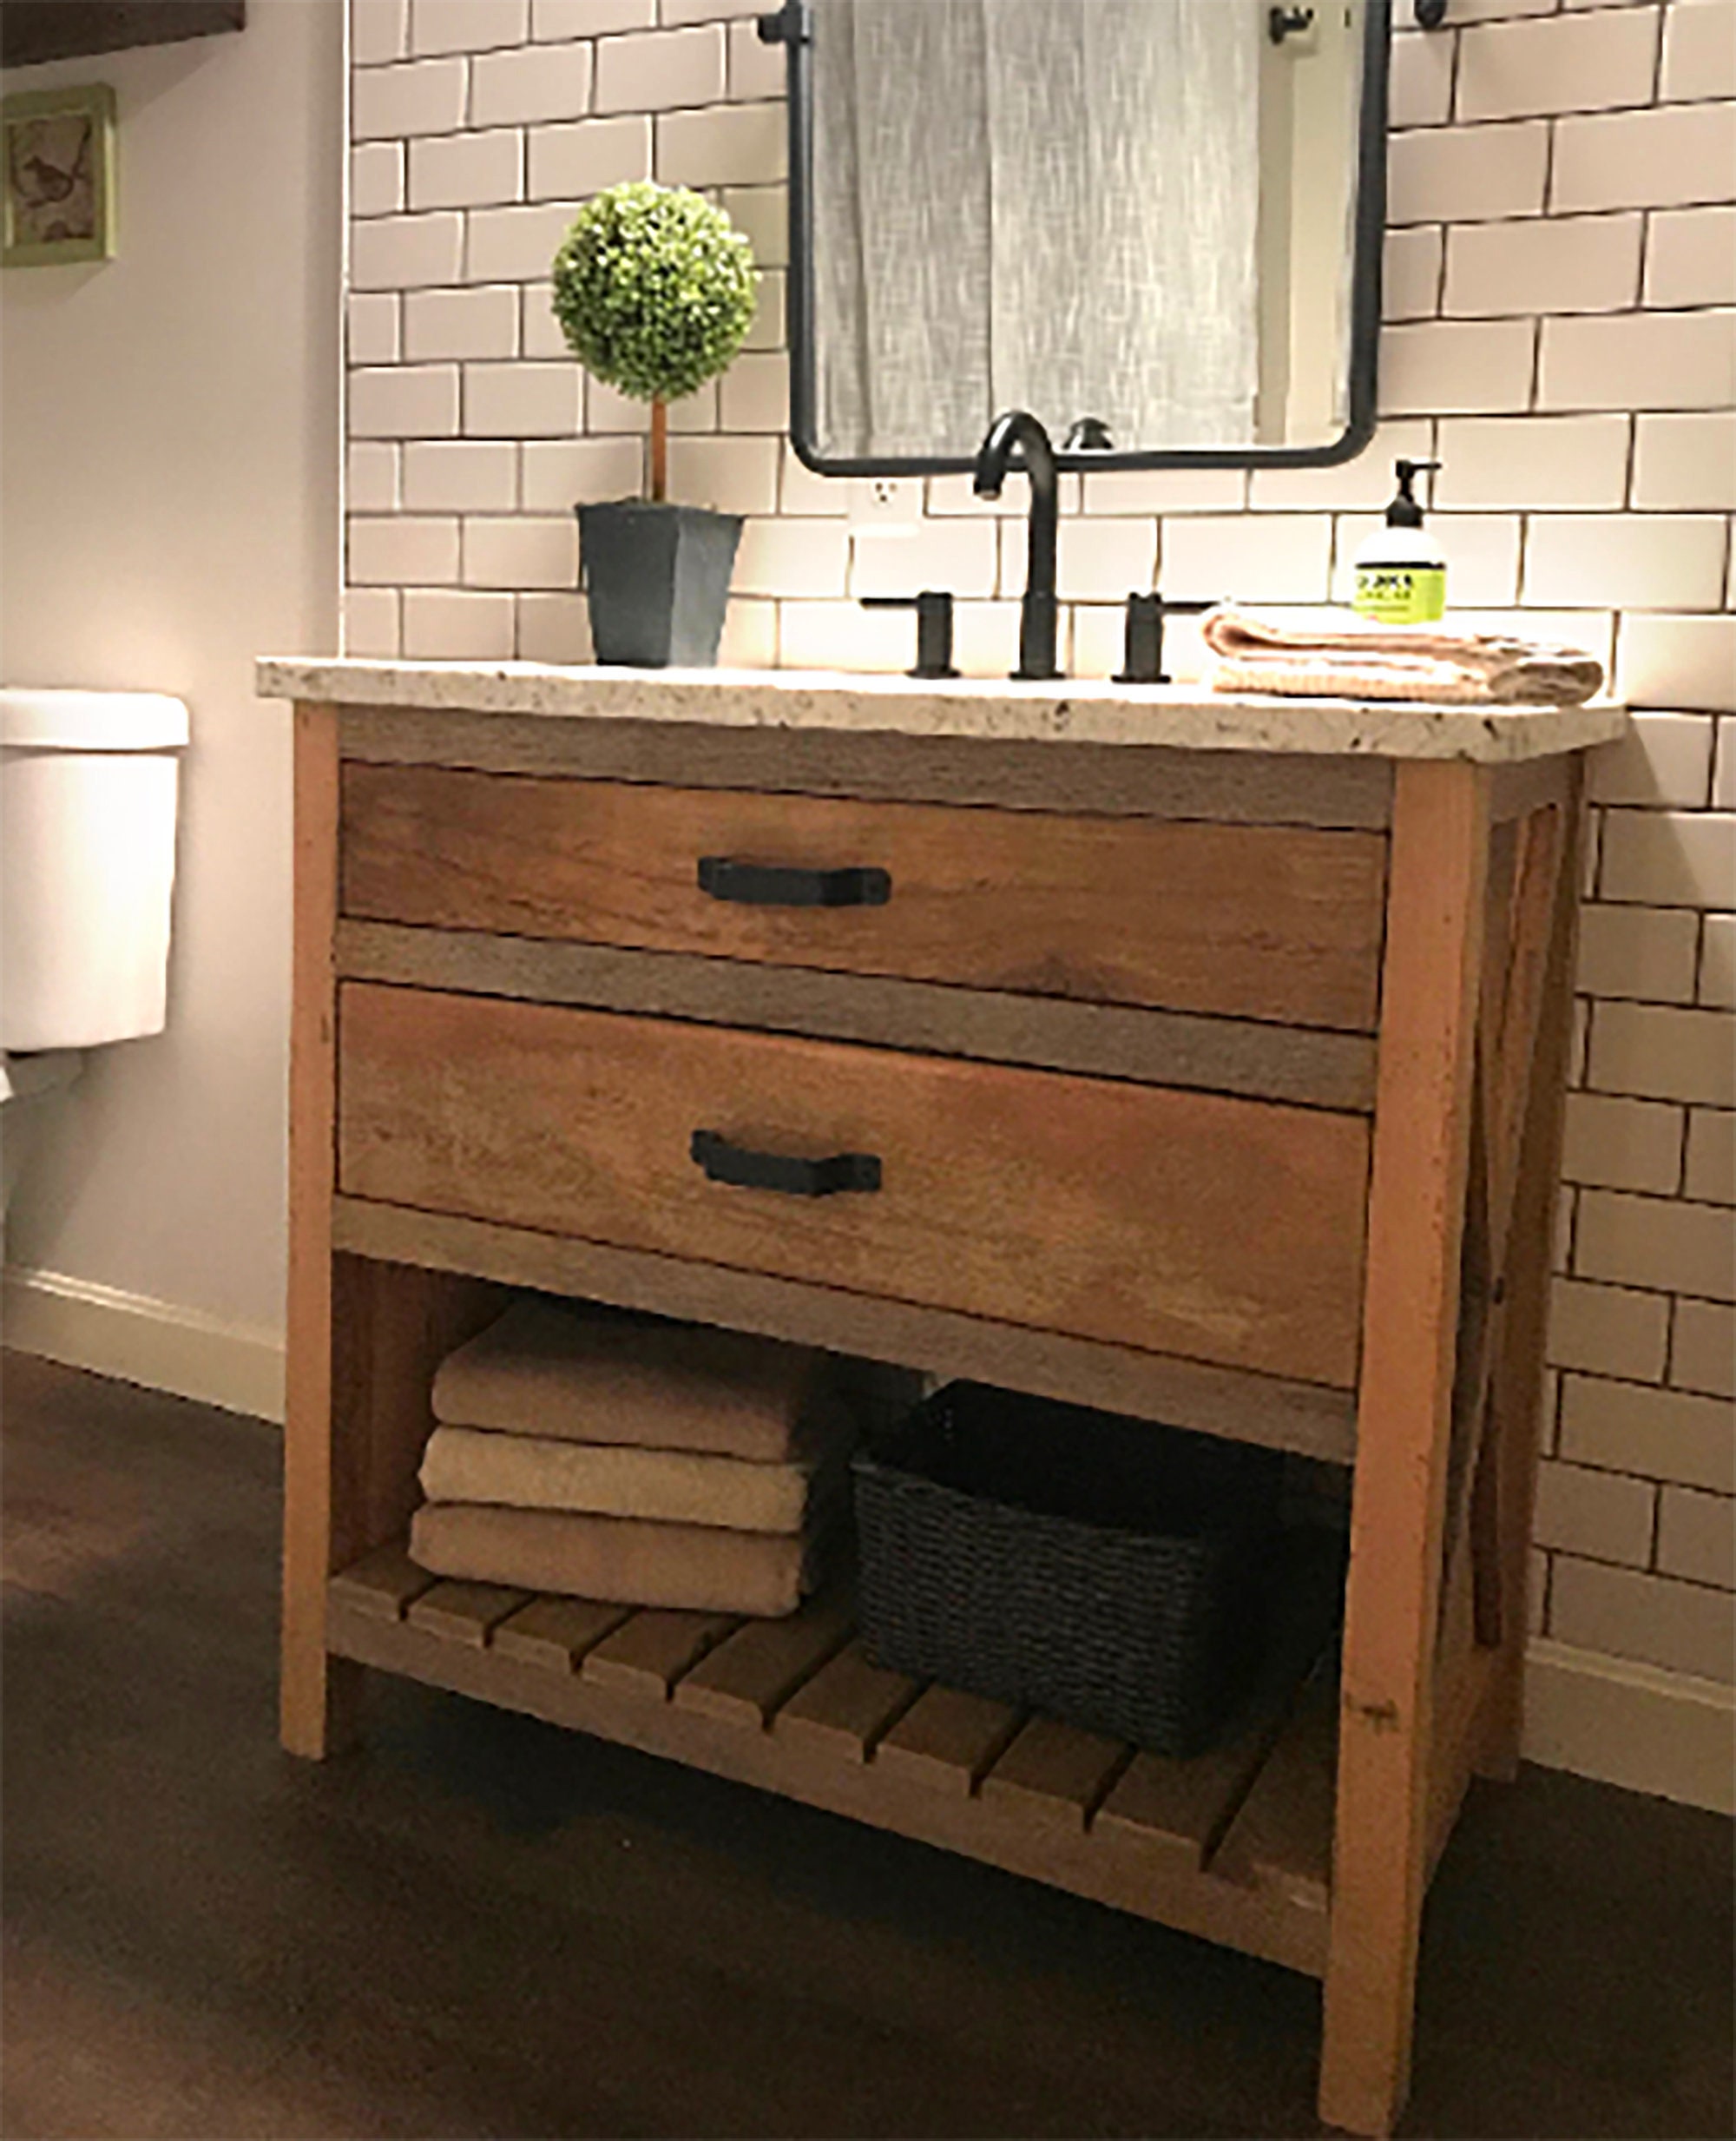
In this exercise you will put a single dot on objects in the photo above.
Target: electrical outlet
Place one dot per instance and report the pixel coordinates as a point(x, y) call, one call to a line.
point(885, 504)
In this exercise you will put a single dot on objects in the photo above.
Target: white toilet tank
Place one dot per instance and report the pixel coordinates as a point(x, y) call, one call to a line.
point(88, 792)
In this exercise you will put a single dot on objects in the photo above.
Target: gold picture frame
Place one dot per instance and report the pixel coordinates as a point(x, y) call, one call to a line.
point(57, 176)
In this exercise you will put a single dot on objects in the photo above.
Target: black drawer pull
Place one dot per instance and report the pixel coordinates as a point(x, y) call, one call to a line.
point(771, 884)
point(746, 1169)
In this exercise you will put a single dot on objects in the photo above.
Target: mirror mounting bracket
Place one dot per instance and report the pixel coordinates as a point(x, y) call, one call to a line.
point(788, 25)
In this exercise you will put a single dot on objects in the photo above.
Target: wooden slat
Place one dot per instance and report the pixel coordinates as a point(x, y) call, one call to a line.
point(1461, 1722)
point(1511, 1082)
point(1422, 1116)
point(1480, 1240)
point(1177, 1813)
point(1521, 910)
point(824, 1772)
point(1053, 1772)
point(1224, 1230)
point(1528, 784)
point(1282, 1838)
point(465, 1612)
point(1479, 1322)
point(383, 1582)
point(948, 1740)
point(751, 1673)
point(1309, 1066)
point(1231, 787)
point(1517, 1394)
point(1278, 923)
point(557, 1633)
point(647, 1655)
point(1271, 1410)
point(846, 1709)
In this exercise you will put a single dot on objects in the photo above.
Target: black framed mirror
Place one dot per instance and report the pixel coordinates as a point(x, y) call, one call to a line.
point(1157, 224)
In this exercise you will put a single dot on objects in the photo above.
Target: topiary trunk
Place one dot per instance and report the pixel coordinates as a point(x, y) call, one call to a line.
point(659, 451)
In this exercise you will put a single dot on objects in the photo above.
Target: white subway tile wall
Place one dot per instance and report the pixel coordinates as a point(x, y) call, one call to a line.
point(1560, 290)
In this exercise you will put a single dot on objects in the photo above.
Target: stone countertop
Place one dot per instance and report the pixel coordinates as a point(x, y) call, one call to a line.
point(1172, 716)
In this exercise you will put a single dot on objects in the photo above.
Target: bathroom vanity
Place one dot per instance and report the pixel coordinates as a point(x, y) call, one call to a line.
point(1212, 1053)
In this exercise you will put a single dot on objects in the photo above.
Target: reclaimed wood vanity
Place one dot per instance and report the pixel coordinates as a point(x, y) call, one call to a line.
point(1213, 1050)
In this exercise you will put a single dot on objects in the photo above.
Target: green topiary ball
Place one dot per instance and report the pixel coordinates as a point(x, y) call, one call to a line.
point(654, 289)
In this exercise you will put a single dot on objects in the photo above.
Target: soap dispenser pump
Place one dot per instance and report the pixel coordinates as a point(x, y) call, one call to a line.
point(1401, 571)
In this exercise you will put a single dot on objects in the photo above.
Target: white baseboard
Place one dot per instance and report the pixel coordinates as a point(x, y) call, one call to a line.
point(1659, 1732)
point(158, 1343)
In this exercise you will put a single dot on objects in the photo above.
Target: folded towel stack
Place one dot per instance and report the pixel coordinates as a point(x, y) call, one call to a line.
point(652, 1465)
point(1345, 658)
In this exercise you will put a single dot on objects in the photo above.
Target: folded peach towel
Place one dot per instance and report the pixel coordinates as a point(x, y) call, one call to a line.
point(664, 1486)
point(547, 1371)
point(686, 1566)
point(1356, 659)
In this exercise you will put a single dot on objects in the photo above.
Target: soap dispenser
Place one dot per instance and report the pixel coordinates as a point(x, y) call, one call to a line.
point(1401, 571)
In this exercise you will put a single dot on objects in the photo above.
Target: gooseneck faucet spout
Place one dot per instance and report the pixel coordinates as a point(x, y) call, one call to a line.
point(1018, 430)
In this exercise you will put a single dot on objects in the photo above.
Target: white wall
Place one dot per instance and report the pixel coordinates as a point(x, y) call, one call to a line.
point(168, 465)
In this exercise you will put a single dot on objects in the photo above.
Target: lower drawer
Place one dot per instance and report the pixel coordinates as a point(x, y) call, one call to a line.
point(1219, 1229)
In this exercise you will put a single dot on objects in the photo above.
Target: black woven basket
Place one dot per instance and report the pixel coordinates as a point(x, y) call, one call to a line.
point(1106, 1570)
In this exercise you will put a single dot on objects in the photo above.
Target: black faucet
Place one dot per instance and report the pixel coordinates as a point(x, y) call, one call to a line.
point(1019, 429)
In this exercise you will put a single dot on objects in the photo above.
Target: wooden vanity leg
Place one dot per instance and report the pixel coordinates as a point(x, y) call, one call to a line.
point(1518, 1393)
point(318, 1694)
point(1423, 1110)
point(365, 1338)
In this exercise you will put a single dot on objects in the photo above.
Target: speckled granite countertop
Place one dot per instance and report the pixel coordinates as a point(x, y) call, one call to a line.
point(1176, 716)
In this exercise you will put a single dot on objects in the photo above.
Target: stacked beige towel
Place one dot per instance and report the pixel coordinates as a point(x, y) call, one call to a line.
point(654, 1465)
point(1348, 658)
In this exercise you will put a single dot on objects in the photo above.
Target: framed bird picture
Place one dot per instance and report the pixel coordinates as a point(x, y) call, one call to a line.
point(59, 199)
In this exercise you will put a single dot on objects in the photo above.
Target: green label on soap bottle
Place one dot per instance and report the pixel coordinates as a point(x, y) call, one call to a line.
point(1401, 594)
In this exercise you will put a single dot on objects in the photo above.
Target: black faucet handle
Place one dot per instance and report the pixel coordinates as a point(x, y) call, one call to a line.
point(1087, 435)
point(1142, 658)
point(934, 627)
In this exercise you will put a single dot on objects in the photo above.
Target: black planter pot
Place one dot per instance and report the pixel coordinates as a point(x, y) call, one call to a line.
point(658, 578)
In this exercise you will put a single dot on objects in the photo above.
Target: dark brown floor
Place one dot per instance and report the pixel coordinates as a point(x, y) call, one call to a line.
point(482, 1926)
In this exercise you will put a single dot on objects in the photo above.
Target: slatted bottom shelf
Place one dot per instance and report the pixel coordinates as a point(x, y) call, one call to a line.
point(1235, 1845)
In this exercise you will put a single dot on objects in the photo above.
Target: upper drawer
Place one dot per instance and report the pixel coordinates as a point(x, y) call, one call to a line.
point(1270, 922)
point(1222, 1230)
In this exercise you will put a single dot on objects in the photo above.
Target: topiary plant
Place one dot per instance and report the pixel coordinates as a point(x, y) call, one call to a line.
point(654, 289)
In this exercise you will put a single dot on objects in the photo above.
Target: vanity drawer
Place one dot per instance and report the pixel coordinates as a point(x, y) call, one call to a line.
point(1280, 923)
point(1220, 1229)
